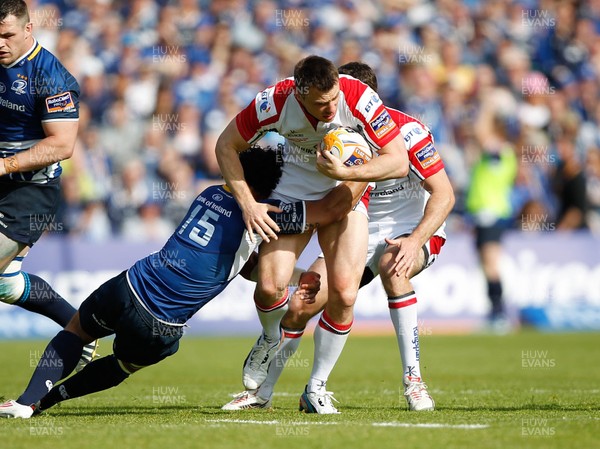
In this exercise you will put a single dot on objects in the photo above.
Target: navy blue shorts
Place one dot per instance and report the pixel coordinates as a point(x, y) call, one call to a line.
point(28, 209)
point(139, 338)
point(492, 233)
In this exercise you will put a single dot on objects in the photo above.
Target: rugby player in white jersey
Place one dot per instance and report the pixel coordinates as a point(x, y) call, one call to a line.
point(303, 110)
point(406, 233)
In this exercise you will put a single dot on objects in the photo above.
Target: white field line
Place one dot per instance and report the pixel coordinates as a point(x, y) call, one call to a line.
point(375, 424)
point(430, 425)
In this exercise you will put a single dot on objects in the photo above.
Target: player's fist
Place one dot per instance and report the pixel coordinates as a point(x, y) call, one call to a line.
point(309, 285)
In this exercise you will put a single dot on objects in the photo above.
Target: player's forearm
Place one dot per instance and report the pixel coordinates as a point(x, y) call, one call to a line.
point(231, 169)
point(335, 205)
point(436, 211)
point(232, 172)
point(46, 152)
point(385, 166)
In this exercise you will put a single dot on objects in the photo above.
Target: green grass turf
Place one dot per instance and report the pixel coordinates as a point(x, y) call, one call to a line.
point(527, 390)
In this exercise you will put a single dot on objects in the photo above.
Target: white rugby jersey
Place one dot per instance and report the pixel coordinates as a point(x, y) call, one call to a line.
point(277, 109)
point(402, 201)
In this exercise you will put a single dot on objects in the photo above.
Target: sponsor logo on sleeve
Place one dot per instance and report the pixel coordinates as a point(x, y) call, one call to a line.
point(265, 105)
point(60, 103)
point(382, 124)
point(427, 156)
point(368, 103)
point(413, 133)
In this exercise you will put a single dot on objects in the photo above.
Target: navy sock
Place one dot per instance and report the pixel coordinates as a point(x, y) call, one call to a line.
point(58, 360)
point(98, 375)
point(495, 295)
point(44, 300)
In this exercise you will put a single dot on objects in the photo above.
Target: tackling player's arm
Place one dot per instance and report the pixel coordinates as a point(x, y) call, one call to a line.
point(56, 146)
point(391, 163)
point(436, 211)
point(229, 144)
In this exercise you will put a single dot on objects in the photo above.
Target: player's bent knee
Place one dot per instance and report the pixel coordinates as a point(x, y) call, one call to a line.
point(268, 293)
point(13, 287)
point(344, 289)
point(129, 368)
point(345, 297)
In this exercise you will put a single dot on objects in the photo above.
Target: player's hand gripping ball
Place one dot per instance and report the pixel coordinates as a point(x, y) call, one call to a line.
point(347, 145)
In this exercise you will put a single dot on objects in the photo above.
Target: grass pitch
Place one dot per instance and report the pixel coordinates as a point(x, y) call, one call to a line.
point(527, 390)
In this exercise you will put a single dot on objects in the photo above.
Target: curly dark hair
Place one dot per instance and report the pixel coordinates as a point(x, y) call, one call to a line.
point(262, 169)
point(361, 71)
point(17, 8)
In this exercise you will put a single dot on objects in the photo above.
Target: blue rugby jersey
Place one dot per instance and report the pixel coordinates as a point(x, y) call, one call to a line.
point(208, 249)
point(34, 89)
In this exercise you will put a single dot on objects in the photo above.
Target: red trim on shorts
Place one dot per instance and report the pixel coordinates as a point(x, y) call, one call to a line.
point(435, 244)
point(366, 197)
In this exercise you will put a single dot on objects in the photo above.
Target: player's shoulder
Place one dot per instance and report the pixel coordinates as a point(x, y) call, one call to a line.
point(270, 102)
point(402, 118)
point(216, 189)
point(353, 88)
point(49, 74)
point(284, 88)
point(412, 129)
point(363, 101)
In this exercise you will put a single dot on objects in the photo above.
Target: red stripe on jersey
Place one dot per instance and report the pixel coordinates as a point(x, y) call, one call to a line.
point(401, 118)
point(379, 129)
point(247, 120)
point(400, 304)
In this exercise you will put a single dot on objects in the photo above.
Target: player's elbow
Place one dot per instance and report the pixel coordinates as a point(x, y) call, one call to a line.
point(448, 199)
point(451, 199)
point(65, 151)
point(401, 168)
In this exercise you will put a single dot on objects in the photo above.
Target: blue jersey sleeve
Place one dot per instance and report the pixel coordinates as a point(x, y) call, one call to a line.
point(57, 92)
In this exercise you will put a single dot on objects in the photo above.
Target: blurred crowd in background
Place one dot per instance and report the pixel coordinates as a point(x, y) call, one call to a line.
point(160, 79)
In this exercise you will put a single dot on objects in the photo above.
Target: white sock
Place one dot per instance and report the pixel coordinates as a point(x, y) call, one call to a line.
point(270, 317)
point(330, 339)
point(403, 311)
point(289, 346)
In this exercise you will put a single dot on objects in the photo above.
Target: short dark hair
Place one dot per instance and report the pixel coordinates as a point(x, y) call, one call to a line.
point(315, 71)
point(262, 169)
point(360, 71)
point(17, 8)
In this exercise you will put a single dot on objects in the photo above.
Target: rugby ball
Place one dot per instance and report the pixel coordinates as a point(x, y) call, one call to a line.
point(347, 145)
